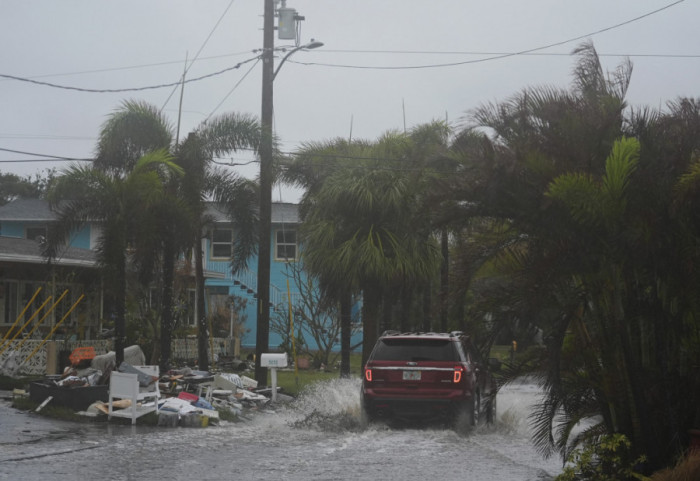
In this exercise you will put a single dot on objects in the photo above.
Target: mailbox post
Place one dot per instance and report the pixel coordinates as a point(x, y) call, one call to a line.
point(273, 360)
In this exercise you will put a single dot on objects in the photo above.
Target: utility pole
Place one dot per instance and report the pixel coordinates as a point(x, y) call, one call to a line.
point(262, 337)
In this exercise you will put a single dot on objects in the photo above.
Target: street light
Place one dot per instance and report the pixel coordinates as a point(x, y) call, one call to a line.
point(311, 45)
point(262, 337)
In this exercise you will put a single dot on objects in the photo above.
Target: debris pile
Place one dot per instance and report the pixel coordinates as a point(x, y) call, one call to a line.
point(179, 397)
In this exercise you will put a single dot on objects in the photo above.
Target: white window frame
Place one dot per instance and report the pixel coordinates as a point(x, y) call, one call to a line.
point(278, 244)
point(9, 302)
point(214, 243)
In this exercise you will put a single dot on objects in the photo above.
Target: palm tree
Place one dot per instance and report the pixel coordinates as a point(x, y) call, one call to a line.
point(358, 230)
point(311, 166)
point(121, 205)
point(136, 128)
point(590, 241)
point(132, 130)
point(218, 136)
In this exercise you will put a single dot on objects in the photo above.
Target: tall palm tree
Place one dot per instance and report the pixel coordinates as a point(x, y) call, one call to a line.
point(136, 128)
point(121, 205)
point(201, 182)
point(310, 167)
point(358, 226)
point(132, 130)
point(592, 245)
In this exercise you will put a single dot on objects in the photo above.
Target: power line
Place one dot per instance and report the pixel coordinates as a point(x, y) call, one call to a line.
point(493, 56)
point(533, 54)
point(135, 67)
point(32, 161)
point(500, 56)
point(231, 91)
point(197, 54)
point(55, 157)
point(130, 89)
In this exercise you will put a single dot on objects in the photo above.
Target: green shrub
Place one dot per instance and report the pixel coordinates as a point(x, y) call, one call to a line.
point(609, 459)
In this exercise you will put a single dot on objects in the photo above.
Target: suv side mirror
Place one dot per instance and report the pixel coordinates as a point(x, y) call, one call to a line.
point(494, 364)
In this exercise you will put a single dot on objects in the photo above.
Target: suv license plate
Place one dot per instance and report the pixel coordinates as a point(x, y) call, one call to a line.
point(411, 375)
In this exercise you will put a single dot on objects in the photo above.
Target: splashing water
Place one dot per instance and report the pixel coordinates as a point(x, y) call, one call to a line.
point(317, 436)
point(335, 405)
point(330, 406)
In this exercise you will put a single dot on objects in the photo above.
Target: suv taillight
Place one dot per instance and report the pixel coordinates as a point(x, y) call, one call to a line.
point(458, 372)
point(368, 375)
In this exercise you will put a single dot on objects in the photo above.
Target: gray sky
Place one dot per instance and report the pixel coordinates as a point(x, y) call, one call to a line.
point(353, 82)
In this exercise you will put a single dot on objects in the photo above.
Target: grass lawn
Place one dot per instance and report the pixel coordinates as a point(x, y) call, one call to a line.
point(293, 383)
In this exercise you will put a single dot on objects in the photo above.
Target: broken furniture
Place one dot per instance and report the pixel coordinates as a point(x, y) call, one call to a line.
point(126, 386)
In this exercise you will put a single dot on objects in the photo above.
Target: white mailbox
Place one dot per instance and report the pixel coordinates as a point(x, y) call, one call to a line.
point(273, 359)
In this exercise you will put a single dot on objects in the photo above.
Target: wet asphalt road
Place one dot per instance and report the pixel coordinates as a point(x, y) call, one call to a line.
point(318, 437)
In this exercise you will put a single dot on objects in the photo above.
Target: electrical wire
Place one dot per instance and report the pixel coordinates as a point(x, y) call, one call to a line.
point(135, 67)
point(494, 56)
point(500, 56)
point(231, 91)
point(187, 69)
point(130, 89)
point(56, 157)
point(534, 54)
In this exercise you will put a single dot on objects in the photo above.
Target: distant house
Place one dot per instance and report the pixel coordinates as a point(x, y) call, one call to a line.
point(24, 273)
point(217, 255)
point(23, 226)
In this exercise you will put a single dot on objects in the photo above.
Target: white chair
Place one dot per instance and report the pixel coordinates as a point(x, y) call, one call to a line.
point(126, 386)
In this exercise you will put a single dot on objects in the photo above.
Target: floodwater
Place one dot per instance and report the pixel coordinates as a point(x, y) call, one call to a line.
point(317, 437)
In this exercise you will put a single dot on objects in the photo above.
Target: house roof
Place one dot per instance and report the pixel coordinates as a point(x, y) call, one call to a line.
point(13, 249)
point(282, 213)
point(34, 210)
point(37, 210)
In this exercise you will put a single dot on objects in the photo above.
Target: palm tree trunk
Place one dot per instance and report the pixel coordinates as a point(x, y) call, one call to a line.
point(444, 279)
point(387, 307)
point(371, 302)
point(427, 308)
point(120, 314)
point(202, 331)
point(166, 320)
point(345, 331)
point(405, 312)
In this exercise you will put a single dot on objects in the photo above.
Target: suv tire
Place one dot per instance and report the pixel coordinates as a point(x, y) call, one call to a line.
point(467, 415)
point(491, 410)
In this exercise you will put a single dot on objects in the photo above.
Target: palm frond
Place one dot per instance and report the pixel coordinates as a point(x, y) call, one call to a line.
point(132, 131)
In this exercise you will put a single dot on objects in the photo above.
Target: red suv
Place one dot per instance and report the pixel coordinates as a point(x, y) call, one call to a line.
point(427, 375)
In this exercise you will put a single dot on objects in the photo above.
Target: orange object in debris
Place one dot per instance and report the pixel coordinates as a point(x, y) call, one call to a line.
point(81, 354)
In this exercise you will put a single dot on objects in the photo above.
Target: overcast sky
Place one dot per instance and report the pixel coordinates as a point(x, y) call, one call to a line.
point(383, 65)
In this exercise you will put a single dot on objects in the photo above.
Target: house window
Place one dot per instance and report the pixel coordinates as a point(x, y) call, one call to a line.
point(32, 233)
point(8, 302)
point(190, 317)
point(221, 246)
point(286, 245)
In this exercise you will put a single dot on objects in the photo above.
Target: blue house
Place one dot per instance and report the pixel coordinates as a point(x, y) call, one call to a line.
point(25, 275)
point(24, 223)
point(221, 283)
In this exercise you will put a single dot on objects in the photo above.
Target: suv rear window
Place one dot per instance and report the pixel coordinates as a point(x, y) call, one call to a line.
point(415, 350)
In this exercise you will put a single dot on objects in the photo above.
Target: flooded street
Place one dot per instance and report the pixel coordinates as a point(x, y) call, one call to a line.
point(317, 437)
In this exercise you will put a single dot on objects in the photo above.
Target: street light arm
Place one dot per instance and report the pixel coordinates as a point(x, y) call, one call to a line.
point(309, 45)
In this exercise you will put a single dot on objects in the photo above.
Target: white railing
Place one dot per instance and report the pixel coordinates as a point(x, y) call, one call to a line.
point(182, 349)
point(36, 365)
